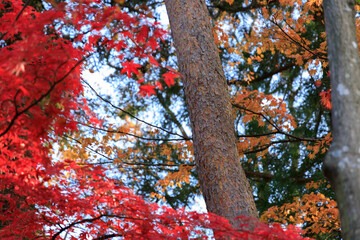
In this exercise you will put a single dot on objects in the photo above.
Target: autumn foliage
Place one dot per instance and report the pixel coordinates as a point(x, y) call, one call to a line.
point(315, 212)
point(41, 93)
point(53, 186)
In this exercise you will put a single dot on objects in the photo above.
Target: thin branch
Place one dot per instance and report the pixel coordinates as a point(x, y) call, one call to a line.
point(294, 30)
point(15, 105)
point(108, 236)
point(275, 126)
point(89, 220)
point(16, 18)
point(269, 177)
point(264, 76)
point(17, 114)
point(257, 135)
point(266, 146)
point(172, 115)
point(298, 43)
point(133, 135)
point(163, 166)
point(318, 121)
point(131, 115)
point(125, 162)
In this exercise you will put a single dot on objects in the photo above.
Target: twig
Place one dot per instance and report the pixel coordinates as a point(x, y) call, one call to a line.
point(16, 18)
point(275, 126)
point(18, 113)
point(131, 115)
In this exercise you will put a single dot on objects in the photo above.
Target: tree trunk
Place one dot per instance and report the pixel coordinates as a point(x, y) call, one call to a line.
point(222, 180)
point(342, 164)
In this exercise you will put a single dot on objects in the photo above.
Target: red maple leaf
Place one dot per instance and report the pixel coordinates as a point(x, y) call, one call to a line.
point(146, 90)
point(153, 61)
point(169, 78)
point(326, 98)
point(130, 67)
point(159, 85)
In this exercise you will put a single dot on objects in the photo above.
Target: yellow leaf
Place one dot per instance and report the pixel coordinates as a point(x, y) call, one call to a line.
point(117, 136)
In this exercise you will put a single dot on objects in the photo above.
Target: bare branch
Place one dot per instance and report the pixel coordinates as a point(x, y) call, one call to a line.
point(131, 115)
point(277, 127)
point(269, 177)
point(264, 76)
point(112, 160)
point(133, 135)
point(266, 146)
point(90, 220)
point(172, 115)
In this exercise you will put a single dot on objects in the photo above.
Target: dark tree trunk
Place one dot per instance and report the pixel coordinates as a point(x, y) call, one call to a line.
point(222, 180)
point(342, 164)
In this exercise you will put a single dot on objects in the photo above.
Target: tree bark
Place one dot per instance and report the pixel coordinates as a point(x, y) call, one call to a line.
point(342, 164)
point(222, 180)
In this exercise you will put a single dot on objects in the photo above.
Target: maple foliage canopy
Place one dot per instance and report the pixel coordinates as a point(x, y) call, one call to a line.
point(41, 92)
point(277, 69)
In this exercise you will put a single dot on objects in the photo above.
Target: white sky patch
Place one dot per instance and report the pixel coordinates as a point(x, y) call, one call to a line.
point(305, 74)
point(96, 80)
point(163, 16)
point(198, 205)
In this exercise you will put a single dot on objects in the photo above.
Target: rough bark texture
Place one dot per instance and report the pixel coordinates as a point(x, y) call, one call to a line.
point(342, 164)
point(222, 180)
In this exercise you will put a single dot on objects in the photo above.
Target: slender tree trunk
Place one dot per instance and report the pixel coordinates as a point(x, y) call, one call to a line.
point(222, 180)
point(342, 164)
